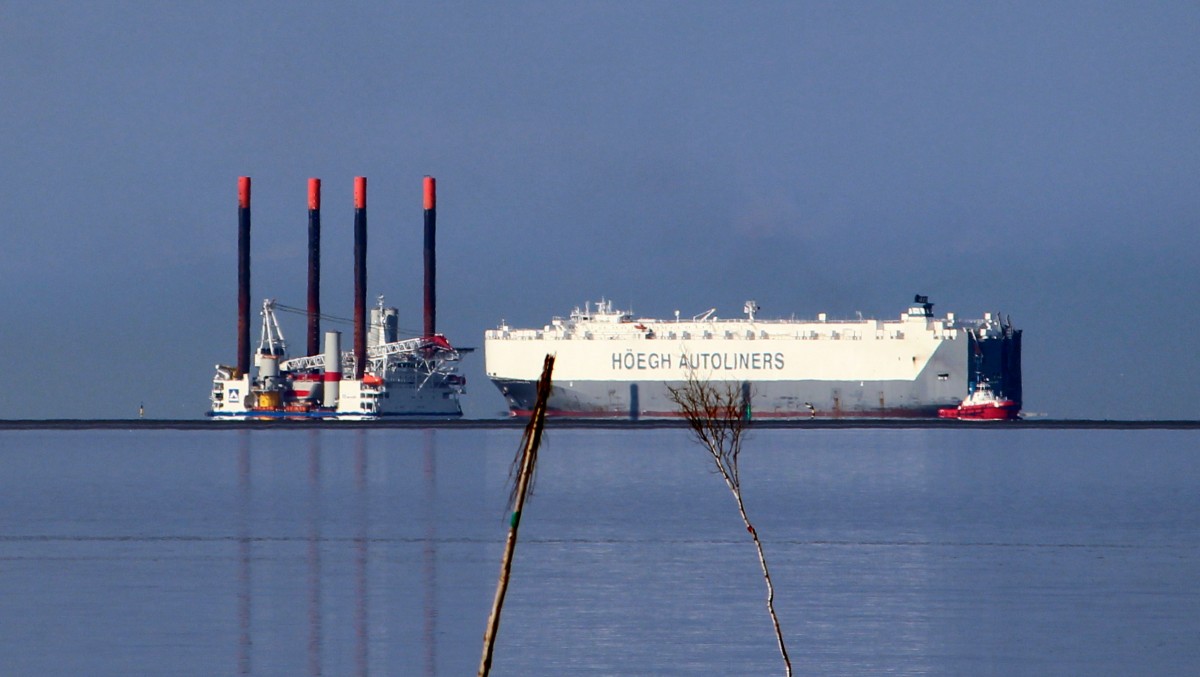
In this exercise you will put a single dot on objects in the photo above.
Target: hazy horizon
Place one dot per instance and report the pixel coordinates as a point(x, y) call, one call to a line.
point(1033, 159)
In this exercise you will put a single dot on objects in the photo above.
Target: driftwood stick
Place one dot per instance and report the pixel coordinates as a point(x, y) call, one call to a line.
point(530, 442)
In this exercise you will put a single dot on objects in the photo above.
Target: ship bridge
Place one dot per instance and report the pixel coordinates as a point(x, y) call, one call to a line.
point(603, 314)
point(921, 307)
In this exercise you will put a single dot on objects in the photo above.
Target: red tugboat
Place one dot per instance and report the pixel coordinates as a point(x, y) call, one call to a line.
point(983, 405)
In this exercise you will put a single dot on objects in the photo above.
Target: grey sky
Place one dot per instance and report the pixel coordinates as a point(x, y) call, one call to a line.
point(1038, 159)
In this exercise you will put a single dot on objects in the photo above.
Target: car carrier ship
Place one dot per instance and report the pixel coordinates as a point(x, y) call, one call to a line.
point(611, 364)
point(382, 375)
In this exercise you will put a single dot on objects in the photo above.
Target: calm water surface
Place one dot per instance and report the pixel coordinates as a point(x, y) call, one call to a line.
point(902, 552)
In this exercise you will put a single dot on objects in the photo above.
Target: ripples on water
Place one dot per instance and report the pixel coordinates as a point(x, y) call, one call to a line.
point(376, 552)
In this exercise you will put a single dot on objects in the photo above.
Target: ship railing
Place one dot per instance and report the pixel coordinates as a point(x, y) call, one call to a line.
point(395, 348)
point(376, 352)
point(308, 362)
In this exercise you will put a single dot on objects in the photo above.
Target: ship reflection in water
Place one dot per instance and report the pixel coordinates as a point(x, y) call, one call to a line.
point(298, 551)
point(340, 628)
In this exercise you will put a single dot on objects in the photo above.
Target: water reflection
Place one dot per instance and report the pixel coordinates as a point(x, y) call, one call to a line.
point(244, 552)
point(429, 553)
point(361, 513)
point(338, 552)
point(361, 610)
point(314, 552)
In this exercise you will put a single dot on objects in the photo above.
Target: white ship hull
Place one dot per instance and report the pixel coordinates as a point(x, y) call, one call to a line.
point(609, 364)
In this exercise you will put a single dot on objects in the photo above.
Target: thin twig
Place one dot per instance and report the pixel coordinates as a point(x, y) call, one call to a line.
point(717, 417)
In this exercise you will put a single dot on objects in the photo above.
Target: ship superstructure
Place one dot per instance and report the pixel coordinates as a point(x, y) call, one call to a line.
point(381, 375)
point(610, 363)
point(409, 377)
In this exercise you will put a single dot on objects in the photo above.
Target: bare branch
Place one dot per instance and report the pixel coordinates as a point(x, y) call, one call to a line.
point(718, 417)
